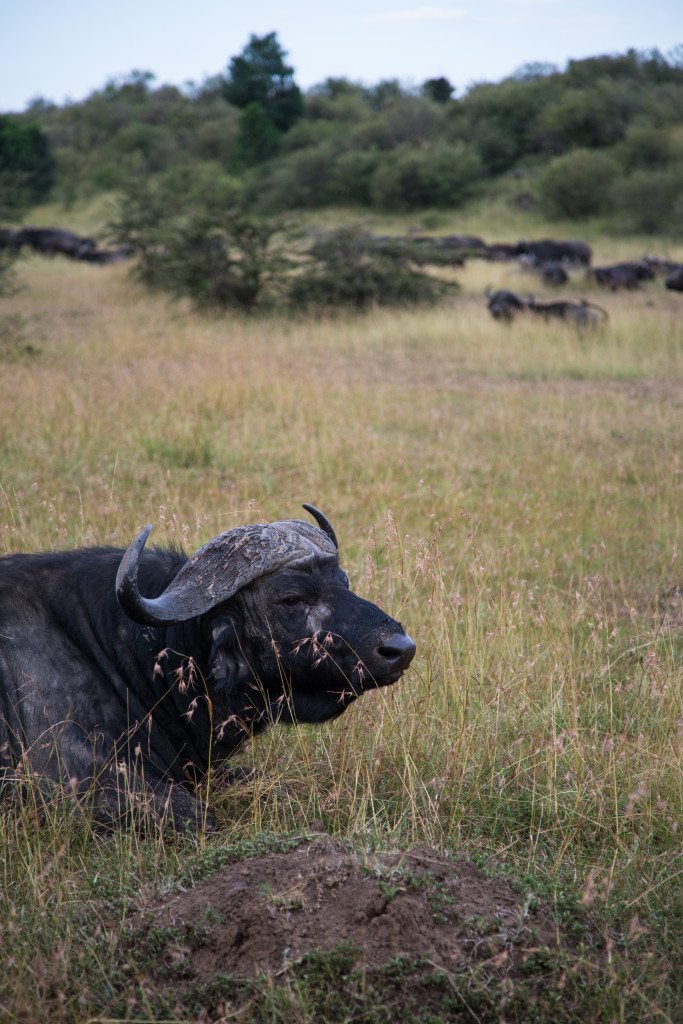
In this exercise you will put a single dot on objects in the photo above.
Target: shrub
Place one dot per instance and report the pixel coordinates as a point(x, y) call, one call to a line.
point(647, 147)
point(300, 180)
point(258, 137)
point(9, 211)
point(650, 201)
point(496, 144)
point(413, 121)
point(194, 238)
point(352, 176)
point(443, 175)
point(577, 184)
point(595, 116)
point(343, 270)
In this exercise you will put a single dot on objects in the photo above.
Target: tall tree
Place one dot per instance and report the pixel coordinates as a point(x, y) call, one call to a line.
point(438, 89)
point(259, 74)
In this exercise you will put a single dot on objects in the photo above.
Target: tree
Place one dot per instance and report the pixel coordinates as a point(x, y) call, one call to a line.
point(438, 89)
point(26, 162)
point(258, 137)
point(260, 75)
point(534, 70)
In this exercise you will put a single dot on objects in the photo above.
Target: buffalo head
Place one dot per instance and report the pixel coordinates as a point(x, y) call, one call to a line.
point(286, 638)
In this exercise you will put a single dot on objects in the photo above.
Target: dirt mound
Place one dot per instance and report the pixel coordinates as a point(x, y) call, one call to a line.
point(362, 919)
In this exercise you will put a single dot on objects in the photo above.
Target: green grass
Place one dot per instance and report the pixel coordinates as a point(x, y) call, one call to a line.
point(511, 494)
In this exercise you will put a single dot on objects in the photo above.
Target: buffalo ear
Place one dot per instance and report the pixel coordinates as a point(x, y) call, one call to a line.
point(228, 662)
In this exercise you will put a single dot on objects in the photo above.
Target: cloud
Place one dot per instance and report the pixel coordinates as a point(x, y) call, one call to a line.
point(416, 14)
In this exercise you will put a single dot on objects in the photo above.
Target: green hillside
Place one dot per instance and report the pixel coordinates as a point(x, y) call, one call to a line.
point(604, 137)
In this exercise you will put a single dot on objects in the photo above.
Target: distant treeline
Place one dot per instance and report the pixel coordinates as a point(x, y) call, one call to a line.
point(603, 136)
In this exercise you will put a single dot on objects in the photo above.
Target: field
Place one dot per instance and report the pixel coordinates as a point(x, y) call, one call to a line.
point(511, 494)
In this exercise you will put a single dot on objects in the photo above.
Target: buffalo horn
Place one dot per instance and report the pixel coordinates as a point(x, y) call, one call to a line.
point(323, 522)
point(224, 565)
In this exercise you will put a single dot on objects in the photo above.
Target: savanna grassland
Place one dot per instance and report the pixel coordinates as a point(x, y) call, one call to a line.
point(512, 494)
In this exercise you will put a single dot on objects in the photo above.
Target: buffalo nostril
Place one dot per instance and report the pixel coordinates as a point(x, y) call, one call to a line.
point(399, 649)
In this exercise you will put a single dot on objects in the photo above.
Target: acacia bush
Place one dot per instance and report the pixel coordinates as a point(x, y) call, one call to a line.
point(196, 238)
point(345, 269)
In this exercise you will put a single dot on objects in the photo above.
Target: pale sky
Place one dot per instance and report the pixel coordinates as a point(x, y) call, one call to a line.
point(63, 49)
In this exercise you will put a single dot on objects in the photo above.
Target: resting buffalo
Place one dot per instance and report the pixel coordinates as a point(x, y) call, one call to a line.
point(118, 667)
point(674, 281)
point(553, 273)
point(53, 241)
point(502, 251)
point(624, 275)
point(505, 305)
point(660, 265)
point(547, 250)
point(581, 314)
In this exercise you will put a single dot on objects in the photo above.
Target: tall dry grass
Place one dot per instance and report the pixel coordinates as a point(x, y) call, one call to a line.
point(511, 494)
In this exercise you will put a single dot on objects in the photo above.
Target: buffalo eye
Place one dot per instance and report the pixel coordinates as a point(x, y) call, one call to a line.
point(293, 601)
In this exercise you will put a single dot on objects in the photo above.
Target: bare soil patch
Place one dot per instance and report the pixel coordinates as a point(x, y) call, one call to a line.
point(385, 931)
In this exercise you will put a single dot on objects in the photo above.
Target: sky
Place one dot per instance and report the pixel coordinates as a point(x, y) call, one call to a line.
point(63, 49)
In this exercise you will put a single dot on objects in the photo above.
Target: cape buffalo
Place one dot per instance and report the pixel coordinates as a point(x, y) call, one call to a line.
point(624, 275)
point(660, 265)
point(547, 250)
point(53, 241)
point(149, 666)
point(674, 281)
point(553, 273)
point(581, 314)
point(505, 305)
point(502, 251)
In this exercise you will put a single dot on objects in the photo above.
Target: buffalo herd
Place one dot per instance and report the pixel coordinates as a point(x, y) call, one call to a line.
point(552, 261)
